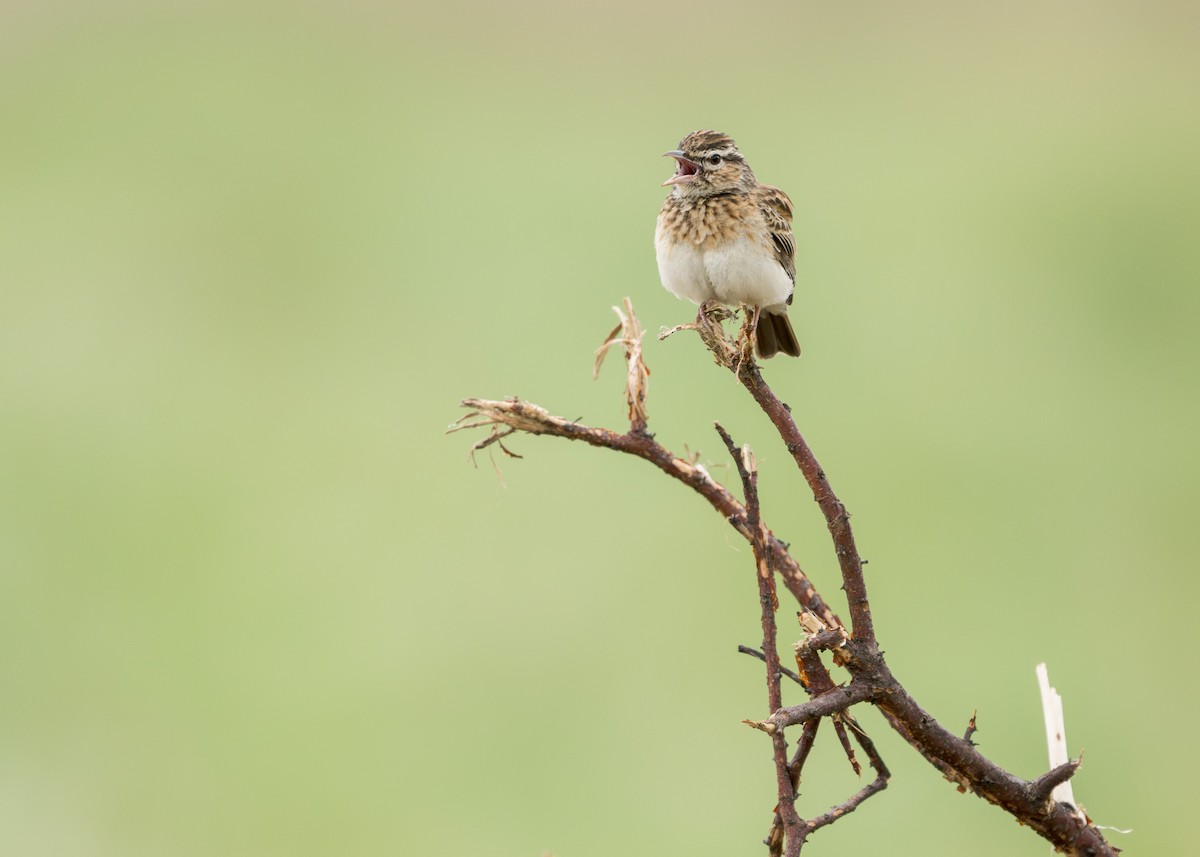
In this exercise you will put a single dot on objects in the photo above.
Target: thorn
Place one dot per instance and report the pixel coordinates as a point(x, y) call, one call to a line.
point(767, 726)
point(971, 728)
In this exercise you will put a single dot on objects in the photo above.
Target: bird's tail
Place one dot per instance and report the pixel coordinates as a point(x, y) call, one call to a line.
point(774, 333)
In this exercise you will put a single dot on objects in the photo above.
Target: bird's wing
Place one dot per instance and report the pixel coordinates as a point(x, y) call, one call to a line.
point(776, 210)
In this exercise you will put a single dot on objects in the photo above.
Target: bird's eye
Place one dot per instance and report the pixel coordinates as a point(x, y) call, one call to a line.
point(714, 159)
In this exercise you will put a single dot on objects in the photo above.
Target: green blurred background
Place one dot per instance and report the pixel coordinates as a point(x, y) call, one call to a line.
point(252, 601)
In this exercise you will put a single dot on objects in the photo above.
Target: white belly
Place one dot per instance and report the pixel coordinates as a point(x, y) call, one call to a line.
point(745, 271)
point(681, 269)
point(741, 271)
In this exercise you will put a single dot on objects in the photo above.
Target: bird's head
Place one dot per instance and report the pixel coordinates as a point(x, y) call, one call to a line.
point(708, 163)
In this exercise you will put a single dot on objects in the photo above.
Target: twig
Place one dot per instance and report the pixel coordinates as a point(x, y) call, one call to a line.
point(746, 650)
point(747, 469)
point(808, 735)
point(1043, 787)
point(882, 775)
point(807, 658)
point(774, 840)
point(531, 419)
point(628, 333)
point(838, 699)
point(874, 787)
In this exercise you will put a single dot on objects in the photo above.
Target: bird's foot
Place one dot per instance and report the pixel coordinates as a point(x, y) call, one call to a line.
point(708, 321)
point(711, 312)
point(709, 324)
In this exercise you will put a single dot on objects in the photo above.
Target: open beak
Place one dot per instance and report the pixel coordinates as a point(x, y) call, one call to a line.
point(685, 169)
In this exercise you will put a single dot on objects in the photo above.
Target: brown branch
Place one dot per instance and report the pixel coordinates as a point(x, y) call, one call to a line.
point(963, 764)
point(741, 363)
point(882, 775)
point(1040, 788)
point(956, 758)
point(837, 519)
point(768, 601)
point(808, 659)
point(808, 736)
point(531, 419)
point(843, 809)
point(1067, 828)
point(746, 650)
point(838, 699)
point(839, 728)
point(774, 840)
point(868, 747)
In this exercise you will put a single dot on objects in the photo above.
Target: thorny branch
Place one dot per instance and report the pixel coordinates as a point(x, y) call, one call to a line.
point(785, 809)
point(854, 648)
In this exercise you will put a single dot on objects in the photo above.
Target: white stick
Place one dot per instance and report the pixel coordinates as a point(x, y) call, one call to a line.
point(1056, 734)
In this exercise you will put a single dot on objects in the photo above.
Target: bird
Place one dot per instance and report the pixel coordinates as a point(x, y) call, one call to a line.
point(724, 238)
